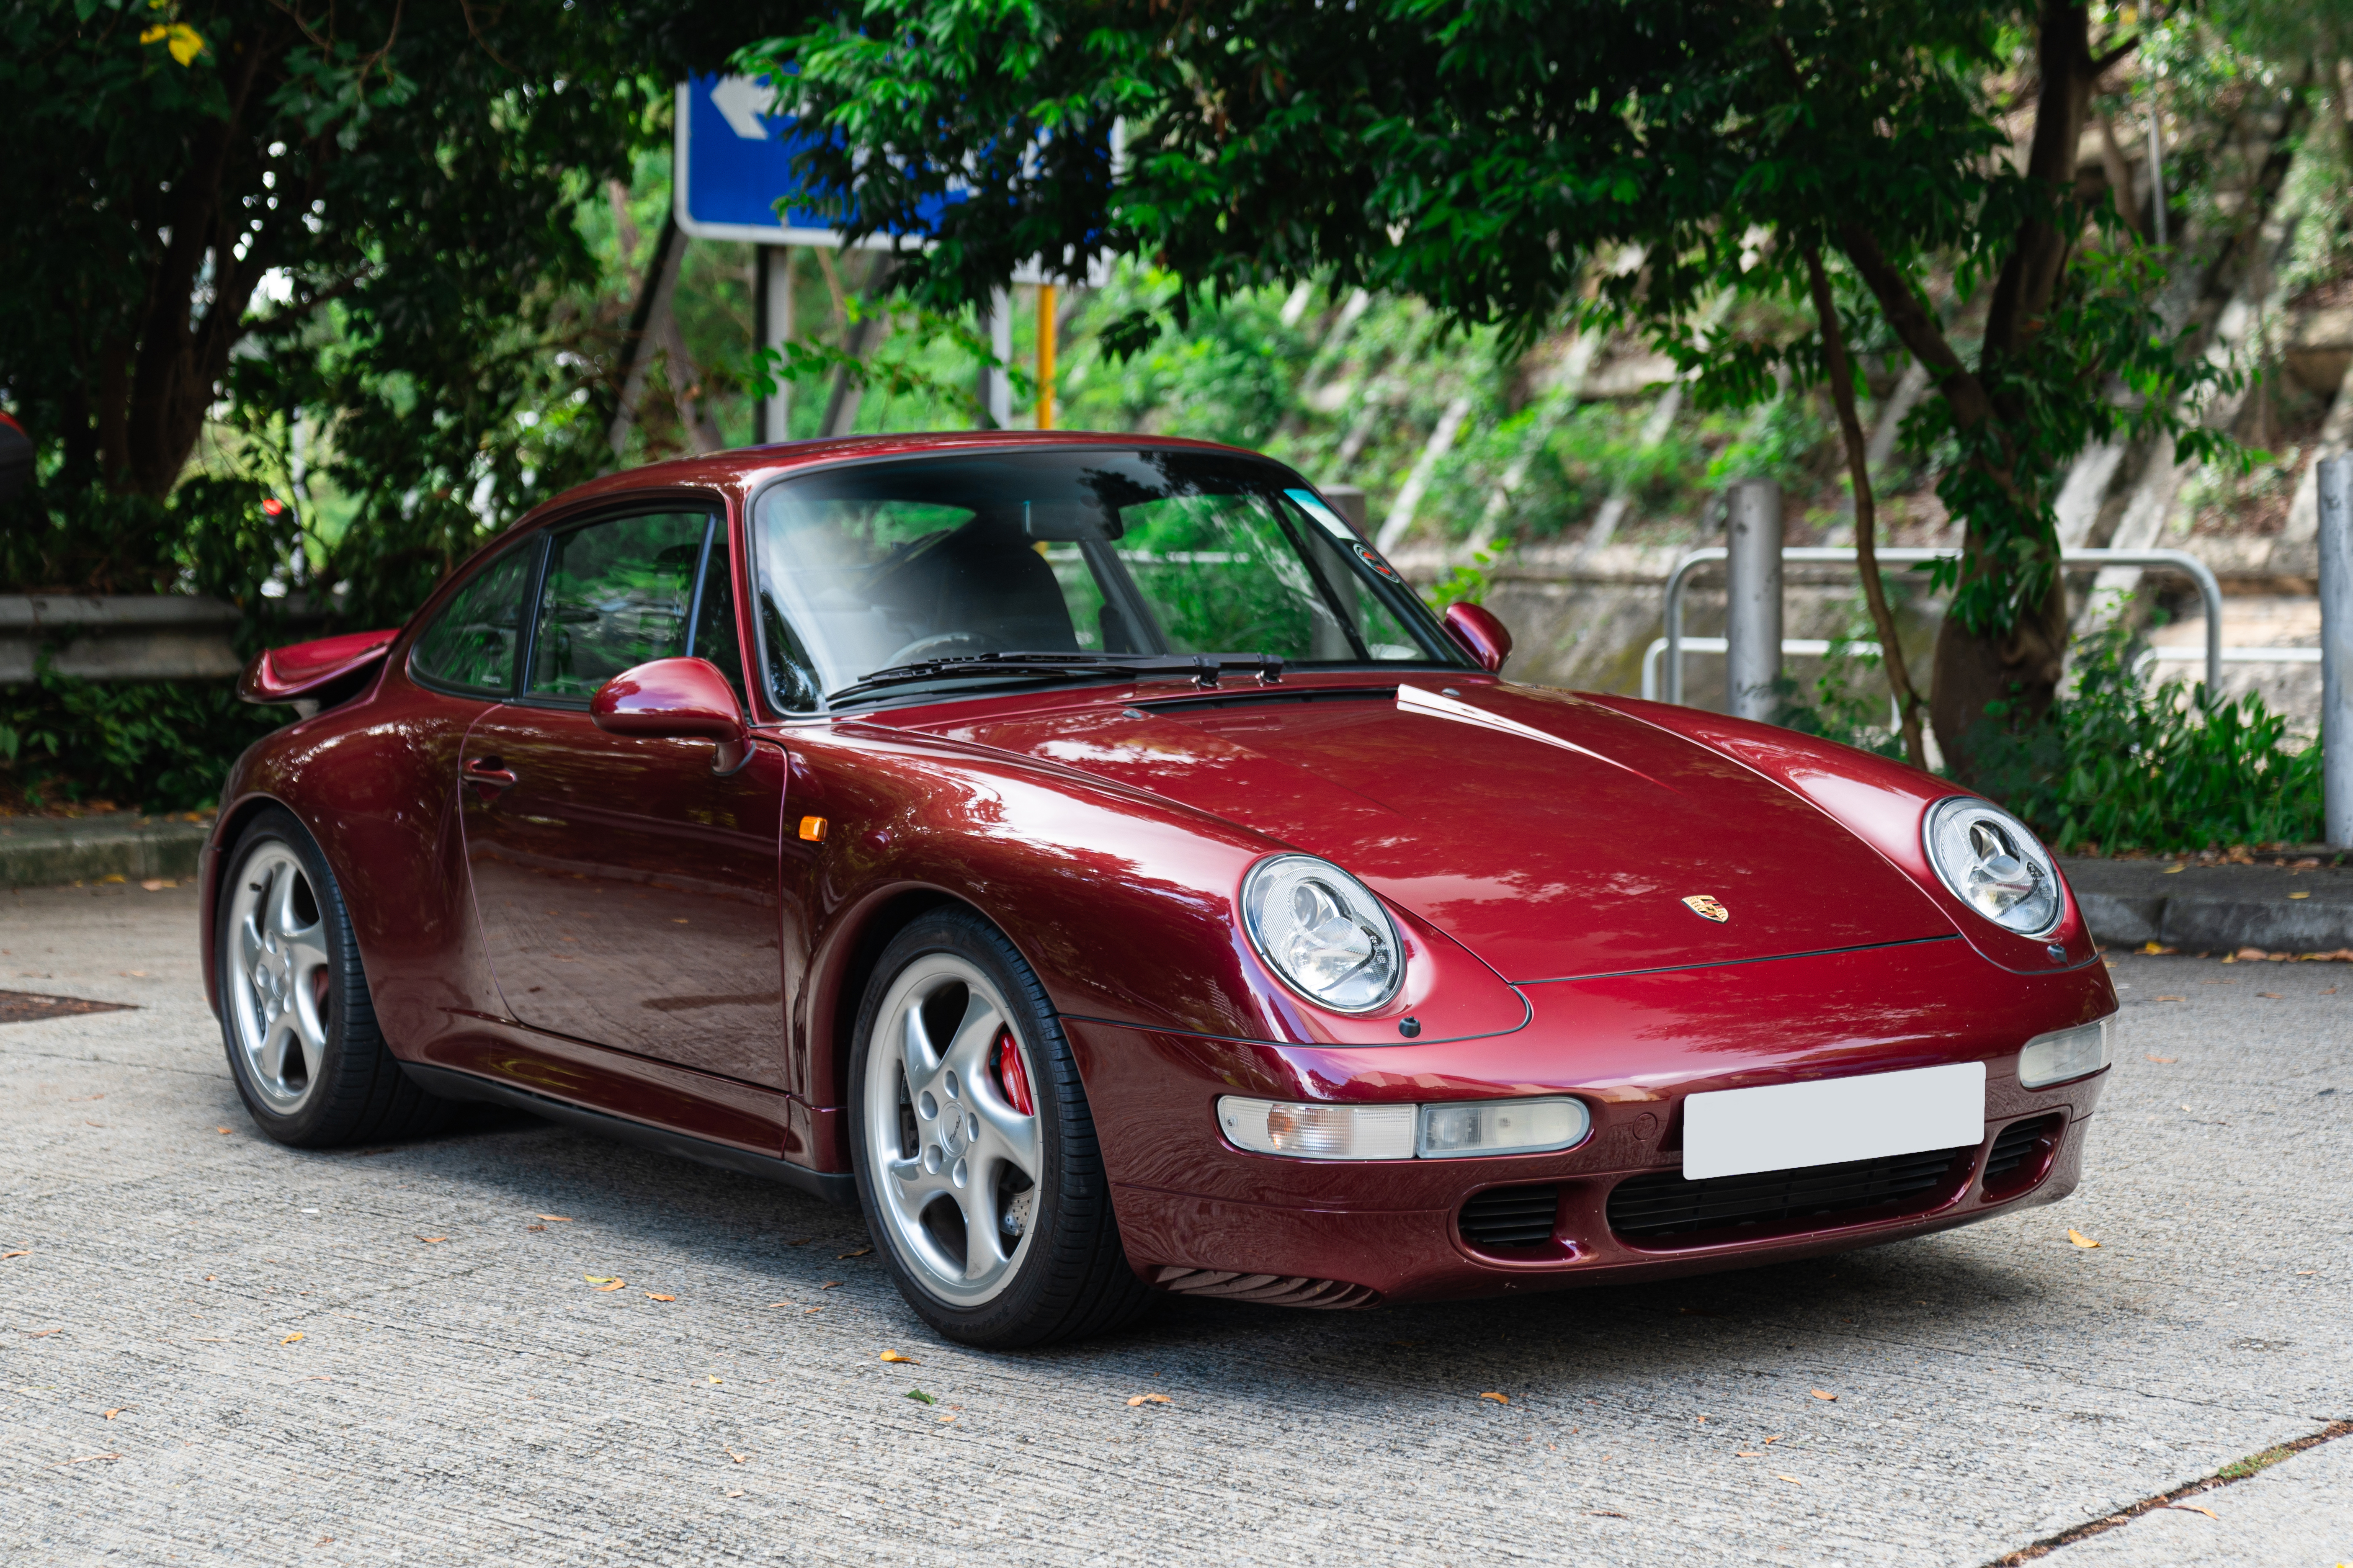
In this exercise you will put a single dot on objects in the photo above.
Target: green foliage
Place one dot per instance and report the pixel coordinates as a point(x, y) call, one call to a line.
point(2123, 767)
point(163, 745)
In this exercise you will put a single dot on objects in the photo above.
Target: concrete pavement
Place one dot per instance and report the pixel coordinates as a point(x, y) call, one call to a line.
point(461, 1391)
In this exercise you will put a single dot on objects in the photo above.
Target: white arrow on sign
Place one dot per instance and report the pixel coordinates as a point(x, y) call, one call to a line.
point(744, 100)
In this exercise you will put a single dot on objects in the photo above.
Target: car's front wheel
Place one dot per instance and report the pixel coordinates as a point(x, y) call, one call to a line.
point(976, 1155)
point(303, 1046)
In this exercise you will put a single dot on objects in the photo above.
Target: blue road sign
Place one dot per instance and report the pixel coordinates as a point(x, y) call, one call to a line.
point(734, 161)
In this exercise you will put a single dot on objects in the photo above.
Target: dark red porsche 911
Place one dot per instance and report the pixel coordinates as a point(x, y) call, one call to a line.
point(1085, 855)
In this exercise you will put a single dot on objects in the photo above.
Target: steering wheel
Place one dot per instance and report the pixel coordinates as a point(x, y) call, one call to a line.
point(937, 645)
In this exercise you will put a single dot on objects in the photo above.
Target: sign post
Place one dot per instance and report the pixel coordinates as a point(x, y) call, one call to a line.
point(734, 161)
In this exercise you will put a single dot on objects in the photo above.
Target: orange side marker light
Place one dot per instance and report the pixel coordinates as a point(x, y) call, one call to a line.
point(813, 829)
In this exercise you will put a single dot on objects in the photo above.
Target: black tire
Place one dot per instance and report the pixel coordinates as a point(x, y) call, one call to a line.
point(356, 1091)
point(1072, 1279)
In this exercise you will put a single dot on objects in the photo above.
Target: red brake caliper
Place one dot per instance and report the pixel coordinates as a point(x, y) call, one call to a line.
point(1011, 1076)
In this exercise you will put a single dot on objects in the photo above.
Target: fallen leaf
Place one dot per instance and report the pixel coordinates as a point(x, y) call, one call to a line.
point(2193, 1508)
point(220, 1129)
point(429, 1240)
point(43, 1334)
point(1791, 1479)
point(2080, 1240)
point(1601, 1513)
point(2302, 1272)
point(614, 1285)
point(600, 1280)
point(557, 1218)
point(6, 1256)
point(1498, 1398)
point(712, 1379)
point(1818, 1394)
point(2165, 1061)
point(2271, 995)
point(860, 1253)
point(1749, 1454)
point(808, 1310)
point(116, 1410)
point(895, 1355)
point(918, 1395)
point(291, 1338)
point(2173, 999)
point(945, 1418)
point(2251, 953)
point(777, 1304)
point(735, 1494)
point(1135, 1399)
point(534, 1227)
point(731, 1454)
point(326, 1541)
point(2169, 871)
point(651, 1297)
point(2299, 895)
point(1774, 1438)
point(829, 1284)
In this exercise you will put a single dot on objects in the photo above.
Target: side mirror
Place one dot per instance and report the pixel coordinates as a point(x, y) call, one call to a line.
point(675, 700)
point(1479, 632)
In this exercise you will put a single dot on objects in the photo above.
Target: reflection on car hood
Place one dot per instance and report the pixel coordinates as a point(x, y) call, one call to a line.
point(1552, 836)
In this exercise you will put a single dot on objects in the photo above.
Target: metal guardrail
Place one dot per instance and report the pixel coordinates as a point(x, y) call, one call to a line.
point(2181, 561)
point(1792, 648)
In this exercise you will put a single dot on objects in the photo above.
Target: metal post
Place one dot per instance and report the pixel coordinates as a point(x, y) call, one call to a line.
point(1348, 500)
point(2337, 649)
point(1752, 621)
point(1048, 308)
point(773, 302)
point(995, 386)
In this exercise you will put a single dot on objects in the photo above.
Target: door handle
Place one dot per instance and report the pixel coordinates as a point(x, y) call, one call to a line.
point(489, 773)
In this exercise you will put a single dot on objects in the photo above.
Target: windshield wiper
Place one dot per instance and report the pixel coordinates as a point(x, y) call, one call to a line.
point(1204, 667)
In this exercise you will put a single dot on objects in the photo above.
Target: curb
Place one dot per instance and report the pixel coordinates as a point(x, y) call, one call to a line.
point(50, 852)
point(2201, 907)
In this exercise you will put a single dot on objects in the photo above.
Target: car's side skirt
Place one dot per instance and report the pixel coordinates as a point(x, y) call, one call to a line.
point(834, 1186)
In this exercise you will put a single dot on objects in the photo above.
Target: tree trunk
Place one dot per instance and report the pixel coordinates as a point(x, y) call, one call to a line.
point(1839, 373)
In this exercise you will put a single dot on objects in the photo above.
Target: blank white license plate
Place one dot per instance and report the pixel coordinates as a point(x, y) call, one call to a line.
point(1786, 1126)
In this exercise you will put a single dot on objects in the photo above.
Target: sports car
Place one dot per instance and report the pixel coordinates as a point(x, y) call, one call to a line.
point(1089, 858)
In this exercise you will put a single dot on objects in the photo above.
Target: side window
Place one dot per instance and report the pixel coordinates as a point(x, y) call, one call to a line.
point(471, 643)
point(714, 622)
point(617, 594)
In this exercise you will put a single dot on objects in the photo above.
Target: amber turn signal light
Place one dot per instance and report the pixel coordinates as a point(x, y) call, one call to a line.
point(813, 829)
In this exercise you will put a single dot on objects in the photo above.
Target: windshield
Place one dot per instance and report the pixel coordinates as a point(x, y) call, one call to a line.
point(1098, 555)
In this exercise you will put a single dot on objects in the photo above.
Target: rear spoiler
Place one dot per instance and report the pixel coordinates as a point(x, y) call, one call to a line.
point(307, 670)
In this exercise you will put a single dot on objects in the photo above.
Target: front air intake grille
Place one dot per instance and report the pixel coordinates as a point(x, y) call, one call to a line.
point(2019, 1144)
point(1510, 1217)
point(1648, 1208)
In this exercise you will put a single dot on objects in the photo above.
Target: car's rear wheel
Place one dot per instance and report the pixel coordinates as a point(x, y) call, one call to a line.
point(976, 1155)
point(303, 1046)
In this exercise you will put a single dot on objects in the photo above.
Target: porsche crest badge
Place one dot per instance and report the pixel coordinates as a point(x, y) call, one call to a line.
point(1707, 909)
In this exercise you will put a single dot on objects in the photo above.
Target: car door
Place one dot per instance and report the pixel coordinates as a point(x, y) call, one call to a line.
point(626, 891)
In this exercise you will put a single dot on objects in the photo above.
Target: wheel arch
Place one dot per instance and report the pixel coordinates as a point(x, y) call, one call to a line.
point(213, 871)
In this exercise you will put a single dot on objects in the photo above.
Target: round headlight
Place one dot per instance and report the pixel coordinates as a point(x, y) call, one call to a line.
point(1993, 863)
point(1323, 931)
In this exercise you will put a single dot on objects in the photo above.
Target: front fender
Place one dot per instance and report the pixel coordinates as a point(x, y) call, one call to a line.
point(1123, 902)
point(1881, 802)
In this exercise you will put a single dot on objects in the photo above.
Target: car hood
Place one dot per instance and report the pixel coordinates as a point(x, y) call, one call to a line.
point(1550, 835)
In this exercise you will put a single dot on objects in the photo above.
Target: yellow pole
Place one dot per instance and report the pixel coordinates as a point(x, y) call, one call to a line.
point(1045, 356)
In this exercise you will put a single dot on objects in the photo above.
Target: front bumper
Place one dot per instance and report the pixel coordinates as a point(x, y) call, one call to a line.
point(1196, 1214)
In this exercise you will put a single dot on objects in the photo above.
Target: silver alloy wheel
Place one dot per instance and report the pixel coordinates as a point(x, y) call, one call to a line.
point(278, 981)
point(956, 1164)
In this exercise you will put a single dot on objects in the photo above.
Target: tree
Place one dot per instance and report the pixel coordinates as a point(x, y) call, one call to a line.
point(1481, 154)
point(368, 211)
